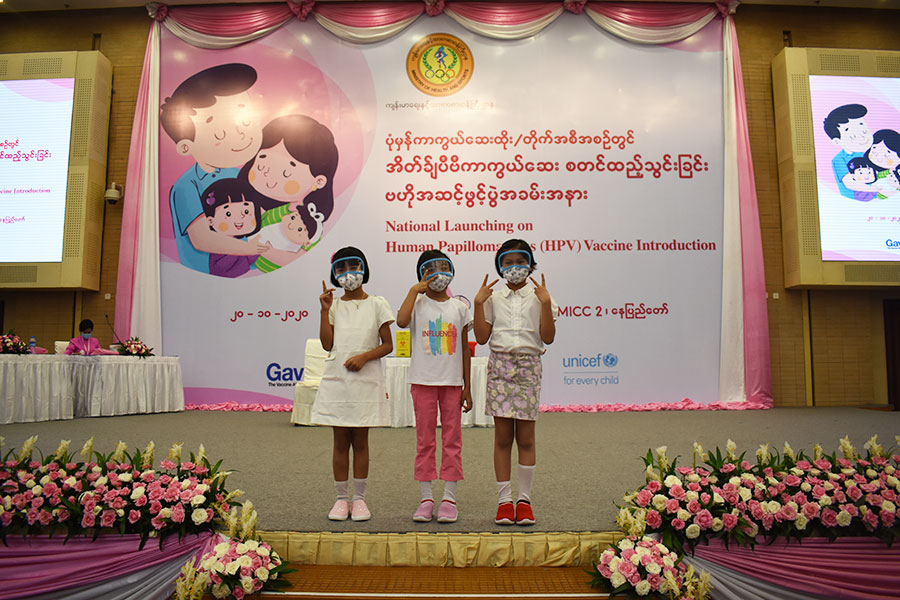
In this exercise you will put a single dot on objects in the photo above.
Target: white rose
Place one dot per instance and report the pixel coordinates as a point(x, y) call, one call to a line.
point(825, 501)
point(202, 488)
point(663, 587)
point(37, 490)
point(888, 506)
point(247, 584)
point(717, 524)
point(871, 474)
point(693, 531)
point(735, 480)
point(713, 479)
point(659, 502)
point(773, 507)
point(98, 509)
point(849, 472)
point(126, 477)
point(219, 568)
point(642, 588)
point(805, 486)
point(662, 548)
point(198, 500)
point(625, 544)
point(844, 518)
point(221, 590)
point(893, 481)
point(198, 516)
point(800, 522)
point(185, 484)
point(165, 513)
point(653, 568)
point(693, 478)
point(797, 472)
point(671, 480)
point(222, 549)
point(71, 481)
point(691, 496)
point(252, 544)
point(45, 480)
point(717, 499)
point(771, 481)
point(642, 551)
point(635, 559)
point(101, 481)
point(668, 561)
point(96, 469)
point(30, 483)
point(137, 493)
point(241, 548)
point(683, 514)
point(208, 564)
point(834, 476)
point(889, 469)
point(262, 574)
point(232, 567)
point(828, 486)
point(745, 494)
point(262, 551)
point(245, 561)
point(616, 579)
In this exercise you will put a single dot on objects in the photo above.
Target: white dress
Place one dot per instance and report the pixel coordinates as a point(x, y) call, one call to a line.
point(347, 398)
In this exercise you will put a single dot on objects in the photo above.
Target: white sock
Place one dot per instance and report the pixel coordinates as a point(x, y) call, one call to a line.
point(450, 491)
point(526, 480)
point(342, 487)
point(359, 489)
point(425, 488)
point(504, 492)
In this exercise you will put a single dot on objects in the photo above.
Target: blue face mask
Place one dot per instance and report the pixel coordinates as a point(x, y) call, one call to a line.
point(86, 336)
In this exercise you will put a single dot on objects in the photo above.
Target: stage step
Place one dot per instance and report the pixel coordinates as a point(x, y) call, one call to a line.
point(435, 583)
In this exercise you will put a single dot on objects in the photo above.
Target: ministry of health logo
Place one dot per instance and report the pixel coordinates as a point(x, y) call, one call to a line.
point(439, 64)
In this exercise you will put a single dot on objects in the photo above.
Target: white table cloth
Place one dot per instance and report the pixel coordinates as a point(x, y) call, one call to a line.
point(45, 387)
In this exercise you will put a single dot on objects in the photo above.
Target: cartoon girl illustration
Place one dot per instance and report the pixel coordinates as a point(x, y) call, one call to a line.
point(231, 209)
point(295, 164)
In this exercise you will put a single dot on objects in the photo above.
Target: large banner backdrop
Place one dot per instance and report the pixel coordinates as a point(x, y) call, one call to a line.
point(605, 155)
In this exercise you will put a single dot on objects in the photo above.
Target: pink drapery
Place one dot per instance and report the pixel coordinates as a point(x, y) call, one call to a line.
point(244, 20)
point(852, 568)
point(41, 565)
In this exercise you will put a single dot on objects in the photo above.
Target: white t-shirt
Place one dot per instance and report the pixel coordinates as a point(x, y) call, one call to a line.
point(436, 330)
point(515, 318)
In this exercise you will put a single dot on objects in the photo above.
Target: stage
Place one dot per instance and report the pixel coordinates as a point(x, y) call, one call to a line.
point(586, 462)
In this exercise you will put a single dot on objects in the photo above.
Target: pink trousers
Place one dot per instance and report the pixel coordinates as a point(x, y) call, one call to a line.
point(427, 399)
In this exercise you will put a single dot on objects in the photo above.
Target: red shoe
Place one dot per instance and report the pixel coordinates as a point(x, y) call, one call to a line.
point(505, 514)
point(524, 514)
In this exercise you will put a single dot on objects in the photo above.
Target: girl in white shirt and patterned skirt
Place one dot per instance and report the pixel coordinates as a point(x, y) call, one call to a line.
point(517, 319)
point(356, 332)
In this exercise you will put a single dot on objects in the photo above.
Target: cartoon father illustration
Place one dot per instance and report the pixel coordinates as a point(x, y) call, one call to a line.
point(210, 117)
point(848, 130)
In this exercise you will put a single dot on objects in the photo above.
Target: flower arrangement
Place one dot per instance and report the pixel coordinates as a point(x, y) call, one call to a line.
point(119, 492)
point(788, 494)
point(642, 566)
point(13, 344)
point(133, 346)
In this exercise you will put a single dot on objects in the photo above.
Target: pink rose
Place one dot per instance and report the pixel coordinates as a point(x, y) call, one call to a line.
point(704, 519)
point(107, 518)
point(727, 468)
point(678, 524)
point(823, 464)
point(746, 466)
point(850, 509)
point(643, 498)
point(705, 498)
point(155, 507)
point(693, 507)
point(88, 519)
point(654, 580)
point(799, 498)
point(829, 518)
point(654, 486)
point(871, 519)
point(803, 465)
point(627, 554)
point(238, 593)
point(792, 480)
point(158, 522)
point(6, 519)
point(626, 568)
point(178, 513)
point(672, 506)
point(45, 517)
point(887, 518)
point(605, 571)
point(810, 510)
point(729, 521)
point(167, 464)
point(654, 520)
point(767, 520)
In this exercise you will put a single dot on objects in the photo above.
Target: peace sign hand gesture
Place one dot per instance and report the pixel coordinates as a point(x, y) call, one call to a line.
point(485, 292)
point(540, 291)
point(327, 297)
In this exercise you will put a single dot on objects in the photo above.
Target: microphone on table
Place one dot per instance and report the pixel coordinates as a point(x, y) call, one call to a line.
point(115, 335)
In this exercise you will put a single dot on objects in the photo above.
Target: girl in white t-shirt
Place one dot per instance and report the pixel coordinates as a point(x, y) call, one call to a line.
point(439, 379)
point(356, 332)
point(518, 319)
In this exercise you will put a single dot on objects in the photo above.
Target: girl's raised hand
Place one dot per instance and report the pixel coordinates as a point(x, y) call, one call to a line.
point(421, 286)
point(326, 298)
point(540, 291)
point(485, 292)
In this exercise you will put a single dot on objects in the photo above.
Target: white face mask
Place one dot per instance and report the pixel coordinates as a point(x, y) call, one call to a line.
point(440, 281)
point(515, 274)
point(350, 280)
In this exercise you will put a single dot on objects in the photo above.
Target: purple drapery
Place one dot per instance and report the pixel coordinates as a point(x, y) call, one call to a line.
point(39, 564)
point(851, 568)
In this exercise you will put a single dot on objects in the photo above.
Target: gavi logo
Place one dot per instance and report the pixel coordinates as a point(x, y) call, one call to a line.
point(282, 376)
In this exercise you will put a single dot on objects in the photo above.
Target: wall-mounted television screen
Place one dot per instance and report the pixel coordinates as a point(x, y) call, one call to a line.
point(837, 116)
point(54, 127)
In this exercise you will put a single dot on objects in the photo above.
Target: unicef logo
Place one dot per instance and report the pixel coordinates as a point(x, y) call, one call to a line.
point(610, 360)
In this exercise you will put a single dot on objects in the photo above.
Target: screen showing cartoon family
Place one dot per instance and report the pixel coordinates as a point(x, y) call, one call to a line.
point(256, 197)
point(867, 165)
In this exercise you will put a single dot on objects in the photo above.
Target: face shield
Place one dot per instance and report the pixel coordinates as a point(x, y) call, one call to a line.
point(349, 272)
point(438, 272)
point(515, 265)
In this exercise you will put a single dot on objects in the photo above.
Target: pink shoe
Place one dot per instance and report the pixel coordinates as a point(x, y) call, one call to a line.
point(448, 513)
point(360, 511)
point(425, 511)
point(340, 511)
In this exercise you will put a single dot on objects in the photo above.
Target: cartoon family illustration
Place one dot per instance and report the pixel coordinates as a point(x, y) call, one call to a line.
point(256, 197)
point(868, 165)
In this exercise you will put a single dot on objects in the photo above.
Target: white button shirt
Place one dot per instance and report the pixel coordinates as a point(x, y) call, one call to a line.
point(515, 318)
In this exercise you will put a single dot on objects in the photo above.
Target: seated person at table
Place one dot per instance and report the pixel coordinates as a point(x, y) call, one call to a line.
point(84, 343)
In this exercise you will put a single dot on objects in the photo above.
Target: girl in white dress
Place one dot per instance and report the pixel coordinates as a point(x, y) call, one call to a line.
point(356, 332)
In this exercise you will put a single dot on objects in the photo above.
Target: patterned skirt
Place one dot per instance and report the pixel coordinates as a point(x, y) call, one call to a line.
point(513, 386)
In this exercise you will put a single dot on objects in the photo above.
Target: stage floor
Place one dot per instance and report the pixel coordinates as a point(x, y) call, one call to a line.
point(586, 462)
